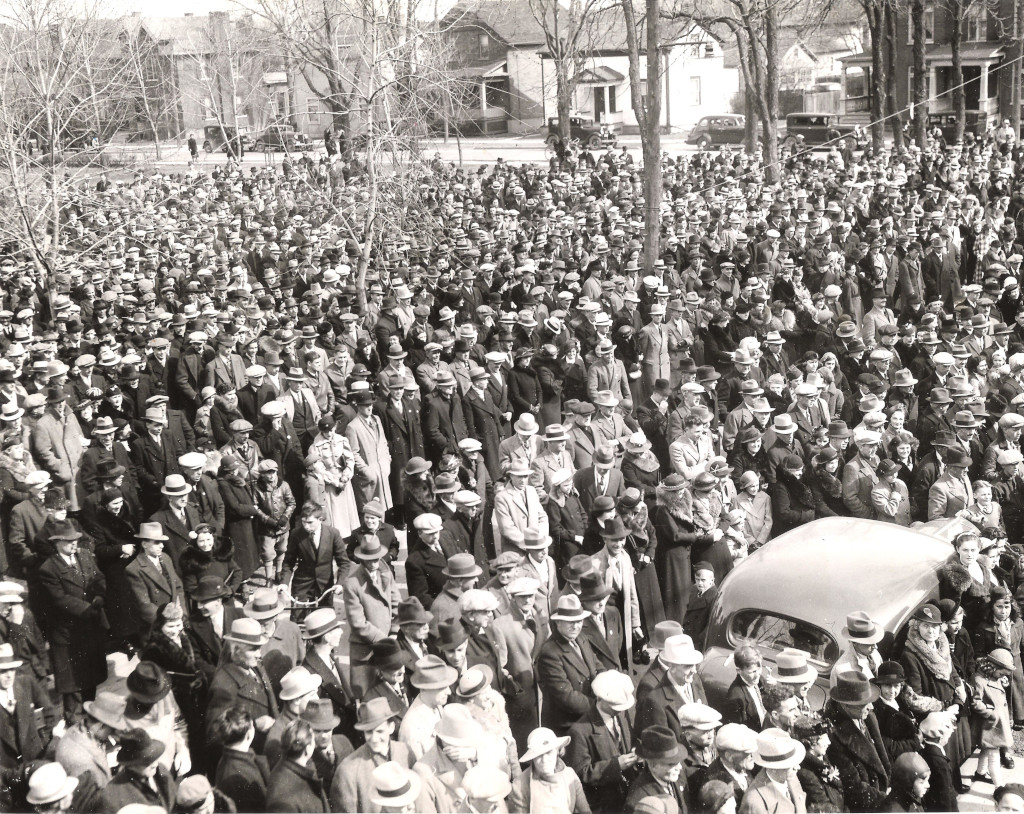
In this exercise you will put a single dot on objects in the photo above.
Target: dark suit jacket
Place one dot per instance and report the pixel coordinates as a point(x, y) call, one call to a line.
point(941, 795)
point(233, 685)
point(444, 425)
point(151, 588)
point(593, 753)
point(251, 400)
point(176, 531)
point(862, 763)
point(650, 679)
point(586, 484)
point(207, 645)
point(69, 593)
point(155, 461)
point(334, 687)
point(714, 771)
point(295, 788)
point(606, 647)
point(698, 613)
point(243, 776)
point(311, 570)
point(564, 678)
point(205, 497)
point(646, 786)
point(660, 706)
point(423, 573)
point(19, 735)
point(739, 707)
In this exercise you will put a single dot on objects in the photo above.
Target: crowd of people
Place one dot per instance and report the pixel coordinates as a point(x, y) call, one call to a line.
point(285, 531)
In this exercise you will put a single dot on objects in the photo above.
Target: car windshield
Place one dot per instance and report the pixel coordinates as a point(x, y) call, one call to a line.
point(765, 630)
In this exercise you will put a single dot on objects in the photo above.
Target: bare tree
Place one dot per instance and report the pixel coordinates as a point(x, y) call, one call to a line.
point(647, 108)
point(893, 113)
point(875, 11)
point(920, 89)
point(148, 81)
point(568, 29)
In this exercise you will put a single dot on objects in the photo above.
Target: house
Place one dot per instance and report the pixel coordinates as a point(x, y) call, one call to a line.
point(501, 48)
point(987, 56)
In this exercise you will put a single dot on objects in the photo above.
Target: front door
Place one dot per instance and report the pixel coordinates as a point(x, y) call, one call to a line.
point(599, 106)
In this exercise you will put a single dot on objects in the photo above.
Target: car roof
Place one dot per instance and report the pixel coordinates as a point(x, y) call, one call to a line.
point(838, 565)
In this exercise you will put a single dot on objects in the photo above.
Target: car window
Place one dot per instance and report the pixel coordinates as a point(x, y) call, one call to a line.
point(766, 630)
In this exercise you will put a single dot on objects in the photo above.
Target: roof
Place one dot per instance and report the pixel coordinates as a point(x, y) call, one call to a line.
point(831, 567)
point(975, 51)
point(513, 23)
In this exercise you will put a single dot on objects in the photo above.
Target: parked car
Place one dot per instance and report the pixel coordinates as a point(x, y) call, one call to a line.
point(588, 131)
point(816, 128)
point(279, 137)
point(974, 122)
point(223, 137)
point(797, 590)
point(711, 131)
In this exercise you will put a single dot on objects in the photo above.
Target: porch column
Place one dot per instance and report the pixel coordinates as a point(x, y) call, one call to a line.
point(483, 96)
point(983, 90)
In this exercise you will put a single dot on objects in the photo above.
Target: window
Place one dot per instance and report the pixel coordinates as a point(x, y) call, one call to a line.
point(643, 88)
point(612, 108)
point(764, 630)
point(313, 107)
point(976, 24)
point(929, 25)
point(496, 94)
point(483, 45)
point(695, 91)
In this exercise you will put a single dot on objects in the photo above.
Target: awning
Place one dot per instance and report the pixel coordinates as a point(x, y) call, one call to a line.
point(602, 75)
point(492, 70)
point(942, 54)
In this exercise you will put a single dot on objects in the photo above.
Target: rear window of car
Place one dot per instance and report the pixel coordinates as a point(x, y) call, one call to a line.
point(766, 630)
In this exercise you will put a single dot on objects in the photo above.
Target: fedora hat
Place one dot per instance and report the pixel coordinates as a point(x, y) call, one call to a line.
point(555, 432)
point(148, 683)
point(457, 727)
point(108, 708)
point(777, 749)
point(541, 741)
point(411, 612)
point(7, 660)
point(534, 540)
point(853, 687)
point(658, 743)
point(432, 673)
point(614, 529)
point(210, 587)
point(860, 628)
point(49, 784)
point(265, 604)
point(298, 682)
point(151, 531)
point(679, 650)
point(664, 631)
point(461, 566)
point(474, 681)
point(387, 655)
point(138, 748)
point(593, 588)
point(175, 486)
point(247, 631)
point(484, 782)
point(394, 786)
point(578, 566)
point(783, 424)
point(791, 667)
point(450, 635)
point(569, 609)
point(526, 425)
point(372, 714)
point(319, 714)
point(370, 548)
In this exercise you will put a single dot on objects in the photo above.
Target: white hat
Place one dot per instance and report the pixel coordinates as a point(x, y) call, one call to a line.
point(477, 599)
point(736, 738)
point(679, 650)
point(615, 689)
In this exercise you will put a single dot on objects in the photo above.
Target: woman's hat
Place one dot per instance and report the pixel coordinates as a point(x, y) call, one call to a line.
point(372, 714)
point(929, 614)
point(298, 682)
point(908, 768)
point(704, 482)
point(417, 466)
point(637, 443)
point(861, 629)
point(777, 749)
point(658, 743)
point(148, 683)
point(1001, 658)
point(320, 622)
point(889, 672)
point(387, 656)
point(541, 741)
point(248, 632)
point(49, 784)
point(394, 786)
point(853, 687)
point(791, 667)
point(138, 748)
point(474, 681)
point(713, 795)
point(824, 455)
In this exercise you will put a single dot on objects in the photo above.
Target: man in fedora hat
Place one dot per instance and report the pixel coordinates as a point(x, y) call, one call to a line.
point(226, 367)
point(681, 685)
point(487, 417)
point(177, 519)
point(662, 774)
point(445, 422)
point(464, 530)
point(462, 573)
point(859, 474)
point(102, 448)
point(523, 447)
point(140, 779)
point(26, 520)
point(863, 635)
point(371, 607)
point(434, 679)
point(369, 443)
point(84, 746)
point(20, 696)
point(565, 667)
point(951, 493)
point(602, 478)
point(155, 457)
point(243, 681)
point(609, 426)
point(517, 507)
point(775, 787)
point(555, 456)
point(212, 618)
point(857, 749)
point(607, 374)
point(352, 788)
point(391, 677)
point(298, 687)
point(57, 447)
point(929, 466)
point(74, 590)
point(300, 406)
point(151, 576)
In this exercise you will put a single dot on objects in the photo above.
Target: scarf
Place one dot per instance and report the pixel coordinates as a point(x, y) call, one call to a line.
point(828, 482)
point(937, 658)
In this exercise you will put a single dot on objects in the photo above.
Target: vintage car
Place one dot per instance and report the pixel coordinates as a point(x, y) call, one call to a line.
point(278, 137)
point(588, 132)
point(816, 128)
point(797, 590)
point(712, 131)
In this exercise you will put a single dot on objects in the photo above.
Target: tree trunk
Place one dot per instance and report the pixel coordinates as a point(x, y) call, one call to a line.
point(771, 73)
point(1016, 72)
point(650, 138)
point(563, 104)
point(920, 87)
point(876, 25)
point(956, 36)
point(895, 115)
